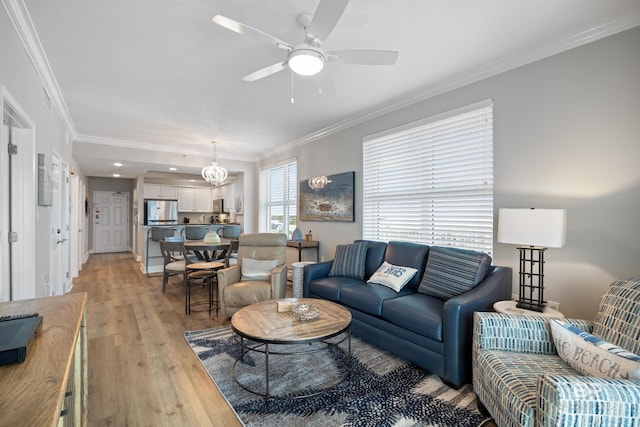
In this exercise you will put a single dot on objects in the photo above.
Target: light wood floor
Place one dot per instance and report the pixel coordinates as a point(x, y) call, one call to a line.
point(141, 370)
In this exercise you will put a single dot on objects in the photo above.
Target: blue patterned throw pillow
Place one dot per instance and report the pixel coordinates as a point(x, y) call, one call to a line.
point(451, 272)
point(349, 260)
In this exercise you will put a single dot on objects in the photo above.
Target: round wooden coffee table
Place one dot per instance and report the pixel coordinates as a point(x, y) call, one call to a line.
point(263, 325)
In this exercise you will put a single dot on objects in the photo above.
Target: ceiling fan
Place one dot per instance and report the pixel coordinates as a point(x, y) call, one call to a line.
point(309, 56)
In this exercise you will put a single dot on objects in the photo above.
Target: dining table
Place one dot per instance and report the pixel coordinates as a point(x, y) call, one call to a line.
point(206, 251)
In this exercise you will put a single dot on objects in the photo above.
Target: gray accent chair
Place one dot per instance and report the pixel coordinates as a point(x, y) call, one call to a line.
point(234, 293)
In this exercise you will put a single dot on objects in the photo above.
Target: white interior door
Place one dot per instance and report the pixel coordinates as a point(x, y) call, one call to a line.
point(111, 222)
point(65, 222)
point(56, 285)
point(74, 223)
point(18, 207)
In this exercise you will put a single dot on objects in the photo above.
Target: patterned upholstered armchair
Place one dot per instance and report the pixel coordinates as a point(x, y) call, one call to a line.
point(521, 379)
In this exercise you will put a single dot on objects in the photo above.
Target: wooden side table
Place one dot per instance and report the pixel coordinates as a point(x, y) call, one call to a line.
point(509, 307)
point(205, 271)
point(300, 246)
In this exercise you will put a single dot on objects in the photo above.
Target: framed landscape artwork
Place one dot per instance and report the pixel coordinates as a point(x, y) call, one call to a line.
point(327, 198)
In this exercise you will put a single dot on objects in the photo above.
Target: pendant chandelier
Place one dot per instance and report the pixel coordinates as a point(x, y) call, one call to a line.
point(214, 174)
point(318, 183)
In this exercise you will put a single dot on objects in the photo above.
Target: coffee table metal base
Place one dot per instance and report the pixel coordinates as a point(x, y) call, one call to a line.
point(263, 347)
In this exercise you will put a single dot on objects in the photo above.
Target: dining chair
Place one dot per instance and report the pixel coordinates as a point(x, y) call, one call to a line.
point(231, 257)
point(197, 233)
point(174, 261)
point(157, 234)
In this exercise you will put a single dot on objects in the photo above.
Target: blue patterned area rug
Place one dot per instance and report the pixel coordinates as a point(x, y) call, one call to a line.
point(382, 390)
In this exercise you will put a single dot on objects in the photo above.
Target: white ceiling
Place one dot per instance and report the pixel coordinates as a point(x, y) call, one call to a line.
point(158, 74)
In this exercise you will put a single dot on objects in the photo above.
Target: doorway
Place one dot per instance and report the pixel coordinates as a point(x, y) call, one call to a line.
point(110, 222)
point(17, 187)
point(60, 226)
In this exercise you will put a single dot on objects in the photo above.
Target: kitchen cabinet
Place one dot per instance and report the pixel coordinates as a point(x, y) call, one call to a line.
point(164, 192)
point(192, 199)
point(226, 193)
point(50, 387)
point(203, 200)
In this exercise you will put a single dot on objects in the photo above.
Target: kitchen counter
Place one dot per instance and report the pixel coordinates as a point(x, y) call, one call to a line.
point(153, 263)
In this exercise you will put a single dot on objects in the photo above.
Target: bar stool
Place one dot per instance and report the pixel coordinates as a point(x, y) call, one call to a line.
point(206, 274)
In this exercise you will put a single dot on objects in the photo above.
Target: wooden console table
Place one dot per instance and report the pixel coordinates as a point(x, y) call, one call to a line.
point(300, 246)
point(50, 387)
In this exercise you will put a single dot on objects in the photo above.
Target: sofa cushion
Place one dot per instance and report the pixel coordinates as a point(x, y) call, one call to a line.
point(349, 260)
point(452, 271)
point(416, 312)
point(593, 356)
point(369, 298)
point(392, 276)
point(375, 256)
point(331, 287)
point(408, 254)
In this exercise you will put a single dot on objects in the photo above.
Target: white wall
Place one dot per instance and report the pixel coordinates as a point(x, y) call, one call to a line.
point(566, 135)
point(19, 77)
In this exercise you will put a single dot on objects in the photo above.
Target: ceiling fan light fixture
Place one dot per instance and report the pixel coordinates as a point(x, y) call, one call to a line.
point(306, 62)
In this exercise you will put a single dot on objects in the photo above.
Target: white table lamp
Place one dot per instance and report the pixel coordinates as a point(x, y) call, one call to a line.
point(534, 230)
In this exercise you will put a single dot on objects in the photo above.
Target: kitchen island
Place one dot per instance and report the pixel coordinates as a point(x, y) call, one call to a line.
point(153, 263)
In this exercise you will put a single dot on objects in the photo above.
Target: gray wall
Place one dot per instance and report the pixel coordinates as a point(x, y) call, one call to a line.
point(566, 135)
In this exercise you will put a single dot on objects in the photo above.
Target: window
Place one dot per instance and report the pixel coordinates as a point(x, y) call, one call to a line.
point(277, 198)
point(431, 181)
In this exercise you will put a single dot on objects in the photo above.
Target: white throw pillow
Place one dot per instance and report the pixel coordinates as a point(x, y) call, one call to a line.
point(255, 269)
point(593, 356)
point(392, 276)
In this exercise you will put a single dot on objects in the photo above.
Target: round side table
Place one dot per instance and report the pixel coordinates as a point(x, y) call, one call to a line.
point(206, 272)
point(510, 308)
point(298, 276)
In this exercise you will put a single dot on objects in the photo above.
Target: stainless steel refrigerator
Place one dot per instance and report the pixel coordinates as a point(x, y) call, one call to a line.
point(160, 212)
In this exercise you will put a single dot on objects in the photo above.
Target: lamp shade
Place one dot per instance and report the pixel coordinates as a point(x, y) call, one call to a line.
point(532, 227)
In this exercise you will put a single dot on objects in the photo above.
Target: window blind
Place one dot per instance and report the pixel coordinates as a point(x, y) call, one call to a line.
point(277, 198)
point(431, 181)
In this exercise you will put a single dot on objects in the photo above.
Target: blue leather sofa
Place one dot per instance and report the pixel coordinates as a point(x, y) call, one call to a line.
point(433, 333)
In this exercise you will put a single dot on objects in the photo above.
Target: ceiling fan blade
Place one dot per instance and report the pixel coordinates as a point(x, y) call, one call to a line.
point(264, 72)
point(326, 17)
point(249, 31)
point(365, 57)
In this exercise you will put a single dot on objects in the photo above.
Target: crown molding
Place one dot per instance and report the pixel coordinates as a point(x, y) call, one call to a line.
point(158, 148)
point(487, 70)
point(19, 16)
point(21, 20)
